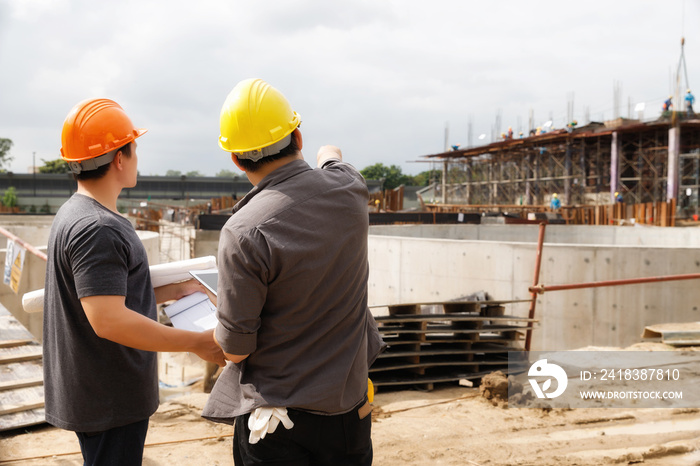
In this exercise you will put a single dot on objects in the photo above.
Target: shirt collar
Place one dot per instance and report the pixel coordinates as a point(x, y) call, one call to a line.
point(276, 177)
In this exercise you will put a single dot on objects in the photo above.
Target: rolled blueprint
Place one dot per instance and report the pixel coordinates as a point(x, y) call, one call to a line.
point(173, 272)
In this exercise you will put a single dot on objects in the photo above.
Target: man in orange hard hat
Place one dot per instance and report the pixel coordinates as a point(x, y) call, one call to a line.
point(100, 319)
point(292, 294)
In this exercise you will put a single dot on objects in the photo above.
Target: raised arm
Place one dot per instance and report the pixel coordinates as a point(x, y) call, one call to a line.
point(326, 153)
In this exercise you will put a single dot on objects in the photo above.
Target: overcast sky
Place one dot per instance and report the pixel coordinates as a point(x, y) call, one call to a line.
point(382, 79)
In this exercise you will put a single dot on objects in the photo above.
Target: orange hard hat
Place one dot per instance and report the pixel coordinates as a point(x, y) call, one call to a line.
point(92, 128)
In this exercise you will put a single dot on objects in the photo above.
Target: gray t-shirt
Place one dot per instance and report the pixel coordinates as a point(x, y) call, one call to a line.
point(292, 293)
point(92, 384)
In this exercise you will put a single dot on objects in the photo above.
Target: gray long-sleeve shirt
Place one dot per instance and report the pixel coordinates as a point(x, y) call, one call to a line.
point(292, 294)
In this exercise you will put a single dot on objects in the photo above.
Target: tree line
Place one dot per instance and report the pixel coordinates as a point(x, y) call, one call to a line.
point(390, 176)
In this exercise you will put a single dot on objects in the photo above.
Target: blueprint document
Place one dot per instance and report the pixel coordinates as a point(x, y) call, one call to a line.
point(194, 312)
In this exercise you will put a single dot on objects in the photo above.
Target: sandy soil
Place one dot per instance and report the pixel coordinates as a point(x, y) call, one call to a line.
point(450, 425)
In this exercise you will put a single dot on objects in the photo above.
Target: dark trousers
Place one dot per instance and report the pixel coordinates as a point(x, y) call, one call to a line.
point(343, 439)
point(120, 446)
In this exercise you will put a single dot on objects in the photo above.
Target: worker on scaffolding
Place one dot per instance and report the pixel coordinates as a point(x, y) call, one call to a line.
point(668, 104)
point(555, 203)
point(689, 101)
point(292, 294)
point(618, 197)
point(100, 328)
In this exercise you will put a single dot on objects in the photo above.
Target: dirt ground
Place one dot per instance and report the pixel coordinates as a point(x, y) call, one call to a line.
point(450, 425)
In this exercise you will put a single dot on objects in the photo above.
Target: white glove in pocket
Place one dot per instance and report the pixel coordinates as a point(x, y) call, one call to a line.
point(265, 420)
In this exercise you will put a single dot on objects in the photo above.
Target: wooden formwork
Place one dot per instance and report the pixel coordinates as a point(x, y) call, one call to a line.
point(454, 341)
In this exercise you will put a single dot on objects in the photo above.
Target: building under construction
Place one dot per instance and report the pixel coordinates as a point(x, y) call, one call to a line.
point(647, 162)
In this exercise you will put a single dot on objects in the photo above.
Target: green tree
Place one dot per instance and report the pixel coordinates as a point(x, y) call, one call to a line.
point(9, 199)
point(54, 166)
point(227, 174)
point(427, 177)
point(193, 173)
point(392, 176)
point(173, 173)
point(5, 146)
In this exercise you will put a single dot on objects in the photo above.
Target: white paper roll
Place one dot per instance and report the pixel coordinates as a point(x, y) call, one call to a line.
point(173, 272)
point(33, 301)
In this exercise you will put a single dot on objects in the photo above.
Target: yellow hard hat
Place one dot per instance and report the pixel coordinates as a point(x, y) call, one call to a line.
point(256, 120)
point(555, 195)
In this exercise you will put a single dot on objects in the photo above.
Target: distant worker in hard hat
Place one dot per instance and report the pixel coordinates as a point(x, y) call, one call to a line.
point(101, 333)
point(689, 101)
point(668, 104)
point(618, 197)
point(510, 132)
point(555, 203)
point(292, 294)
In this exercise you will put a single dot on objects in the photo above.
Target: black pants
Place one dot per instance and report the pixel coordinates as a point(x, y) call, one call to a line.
point(120, 446)
point(343, 439)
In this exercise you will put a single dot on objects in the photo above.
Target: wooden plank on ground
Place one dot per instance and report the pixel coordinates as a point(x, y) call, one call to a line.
point(19, 354)
point(21, 375)
point(9, 409)
point(22, 419)
point(14, 384)
point(12, 343)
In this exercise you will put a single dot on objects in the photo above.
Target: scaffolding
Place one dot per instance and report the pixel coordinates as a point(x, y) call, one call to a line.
point(646, 162)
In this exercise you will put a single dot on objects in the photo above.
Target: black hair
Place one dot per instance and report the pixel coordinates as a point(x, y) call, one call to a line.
point(100, 172)
point(250, 166)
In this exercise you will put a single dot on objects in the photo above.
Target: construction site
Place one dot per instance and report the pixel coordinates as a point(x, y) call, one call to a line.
point(455, 288)
point(480, 270)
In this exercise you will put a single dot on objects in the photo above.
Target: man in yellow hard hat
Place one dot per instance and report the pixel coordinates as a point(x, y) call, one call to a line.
point(292, 294)
point(100, 318)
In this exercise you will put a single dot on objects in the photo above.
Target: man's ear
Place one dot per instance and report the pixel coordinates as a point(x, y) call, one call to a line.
point(235, 161)
point(118, 160)
point(297, 135)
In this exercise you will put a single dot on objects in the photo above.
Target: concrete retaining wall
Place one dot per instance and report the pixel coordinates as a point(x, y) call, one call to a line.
point(407, 268)
point(561, 234)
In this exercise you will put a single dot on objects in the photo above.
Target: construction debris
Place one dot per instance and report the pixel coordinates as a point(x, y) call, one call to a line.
point(675, 334)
